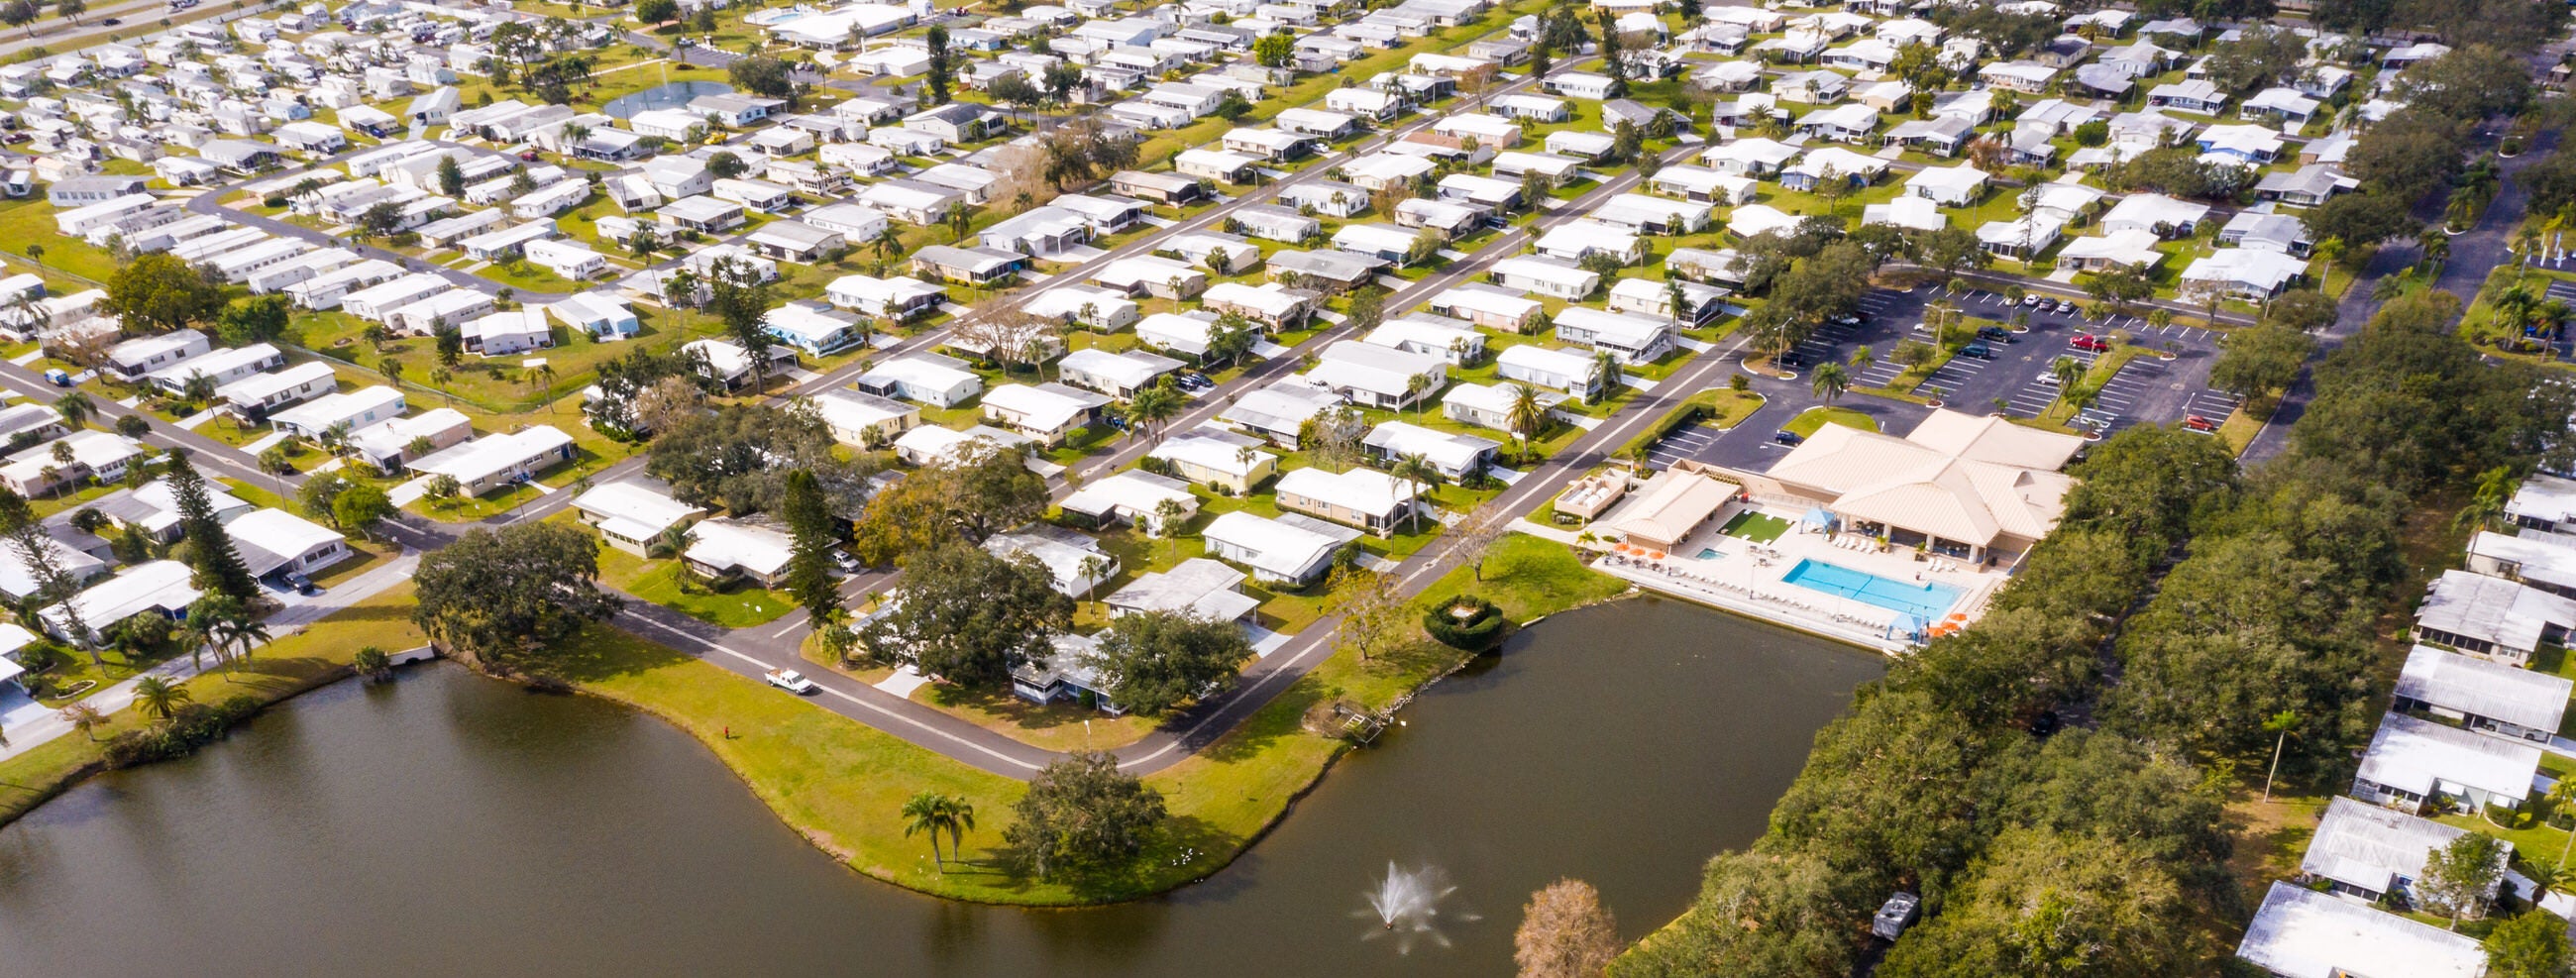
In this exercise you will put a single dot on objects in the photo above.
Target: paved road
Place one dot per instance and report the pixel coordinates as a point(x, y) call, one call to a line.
point(165, 434)
point(2474, 254)
point(752, 651)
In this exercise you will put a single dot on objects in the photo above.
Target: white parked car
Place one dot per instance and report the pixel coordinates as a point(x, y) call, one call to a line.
point(789, 680)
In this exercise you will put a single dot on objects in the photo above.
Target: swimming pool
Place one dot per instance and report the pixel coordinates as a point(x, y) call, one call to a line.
point(1925, 601)
point(1709, 553)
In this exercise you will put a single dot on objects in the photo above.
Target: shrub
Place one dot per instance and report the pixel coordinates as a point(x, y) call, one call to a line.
point(1466, 622)
point(192, 726)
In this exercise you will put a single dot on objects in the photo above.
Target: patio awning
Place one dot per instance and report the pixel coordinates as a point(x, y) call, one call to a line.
point(1817, 517)
point(1905, 626)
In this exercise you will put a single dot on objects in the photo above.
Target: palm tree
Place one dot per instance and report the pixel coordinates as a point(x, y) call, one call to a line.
point(2495, 487)
point(2280, 726)
point(2434, 245)
point(933, 813)
point(160, 698)
point(1095, 568)
point(1524, 415)
point(2081, 397)
point(961, 820)
point(2543, 879)
point(2515, 305)
point(76, 409)
point(2562, 799)
point(887, 244)
point(1605, 366)
point(1150, 408)
point(1831, 381)
point(958, 220)
point(2068, 371)
point(1416, 471)
point(1418, 387)
point(236, 635)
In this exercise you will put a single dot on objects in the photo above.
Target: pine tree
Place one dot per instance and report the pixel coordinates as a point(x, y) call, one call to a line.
point(35, 548)
point(210, 549)
point(809, 565)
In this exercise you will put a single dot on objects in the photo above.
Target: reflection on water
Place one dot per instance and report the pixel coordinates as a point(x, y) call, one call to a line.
point(448, 824)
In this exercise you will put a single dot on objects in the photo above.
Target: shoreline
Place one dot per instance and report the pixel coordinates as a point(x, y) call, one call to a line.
point(1221, 859)
point(1225, 798)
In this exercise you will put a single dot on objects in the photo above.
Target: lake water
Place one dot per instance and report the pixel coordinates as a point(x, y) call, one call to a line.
point(447, 824)
point(668, 95)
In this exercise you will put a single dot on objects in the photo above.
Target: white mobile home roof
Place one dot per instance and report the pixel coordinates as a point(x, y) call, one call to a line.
point(2493, 609)
point(329, 409)
point(2411, 754)
point(158, 584)
point(2365, 845)
point(725, 545)
point(2301, 933)
point(492, 453)
point(2520, 697)
point(634, 510)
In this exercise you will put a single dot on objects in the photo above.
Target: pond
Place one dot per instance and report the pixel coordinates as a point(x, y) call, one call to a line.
point(446, 823)
point(668, 95)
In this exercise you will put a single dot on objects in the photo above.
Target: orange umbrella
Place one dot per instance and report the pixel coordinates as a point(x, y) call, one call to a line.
point(1959, 616)
point(1657, 555)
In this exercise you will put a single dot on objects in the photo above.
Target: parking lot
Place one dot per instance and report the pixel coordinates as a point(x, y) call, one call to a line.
point(2015, 380)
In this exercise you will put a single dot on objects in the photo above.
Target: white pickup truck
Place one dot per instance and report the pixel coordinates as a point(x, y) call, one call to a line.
point(789, 680)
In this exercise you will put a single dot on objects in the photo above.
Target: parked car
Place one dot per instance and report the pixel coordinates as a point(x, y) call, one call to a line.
point(789, 680)
point(1847, 320)
point(2088, 341)
point(303, 585)
point(1994, 333)
point(2049, 377)
point(1787, 437)
point(57, 377)
point(1791, 359)
point(2197, 423)
point(2032, 300)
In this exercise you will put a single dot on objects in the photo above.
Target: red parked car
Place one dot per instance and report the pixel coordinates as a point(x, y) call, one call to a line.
point(2198, 423)
point(2088, 341)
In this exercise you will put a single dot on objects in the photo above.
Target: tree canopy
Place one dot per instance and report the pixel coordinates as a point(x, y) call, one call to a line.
point(740, 456)
point(157, 292)
point(1082, 813)
point(985, 490)
point(1156, 661)
point(497, 596)
point(967, 616)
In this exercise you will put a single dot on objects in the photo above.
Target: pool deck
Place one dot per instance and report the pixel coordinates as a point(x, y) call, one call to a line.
point(1747, 578)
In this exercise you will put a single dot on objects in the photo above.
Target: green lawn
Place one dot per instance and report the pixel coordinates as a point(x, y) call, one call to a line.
point(1805, 424)
point(1528, 578)
point(1754, 526)
point(30, 221)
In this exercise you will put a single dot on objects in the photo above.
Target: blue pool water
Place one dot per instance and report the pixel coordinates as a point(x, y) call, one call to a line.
point(1925, 601)
point(1709, 553)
